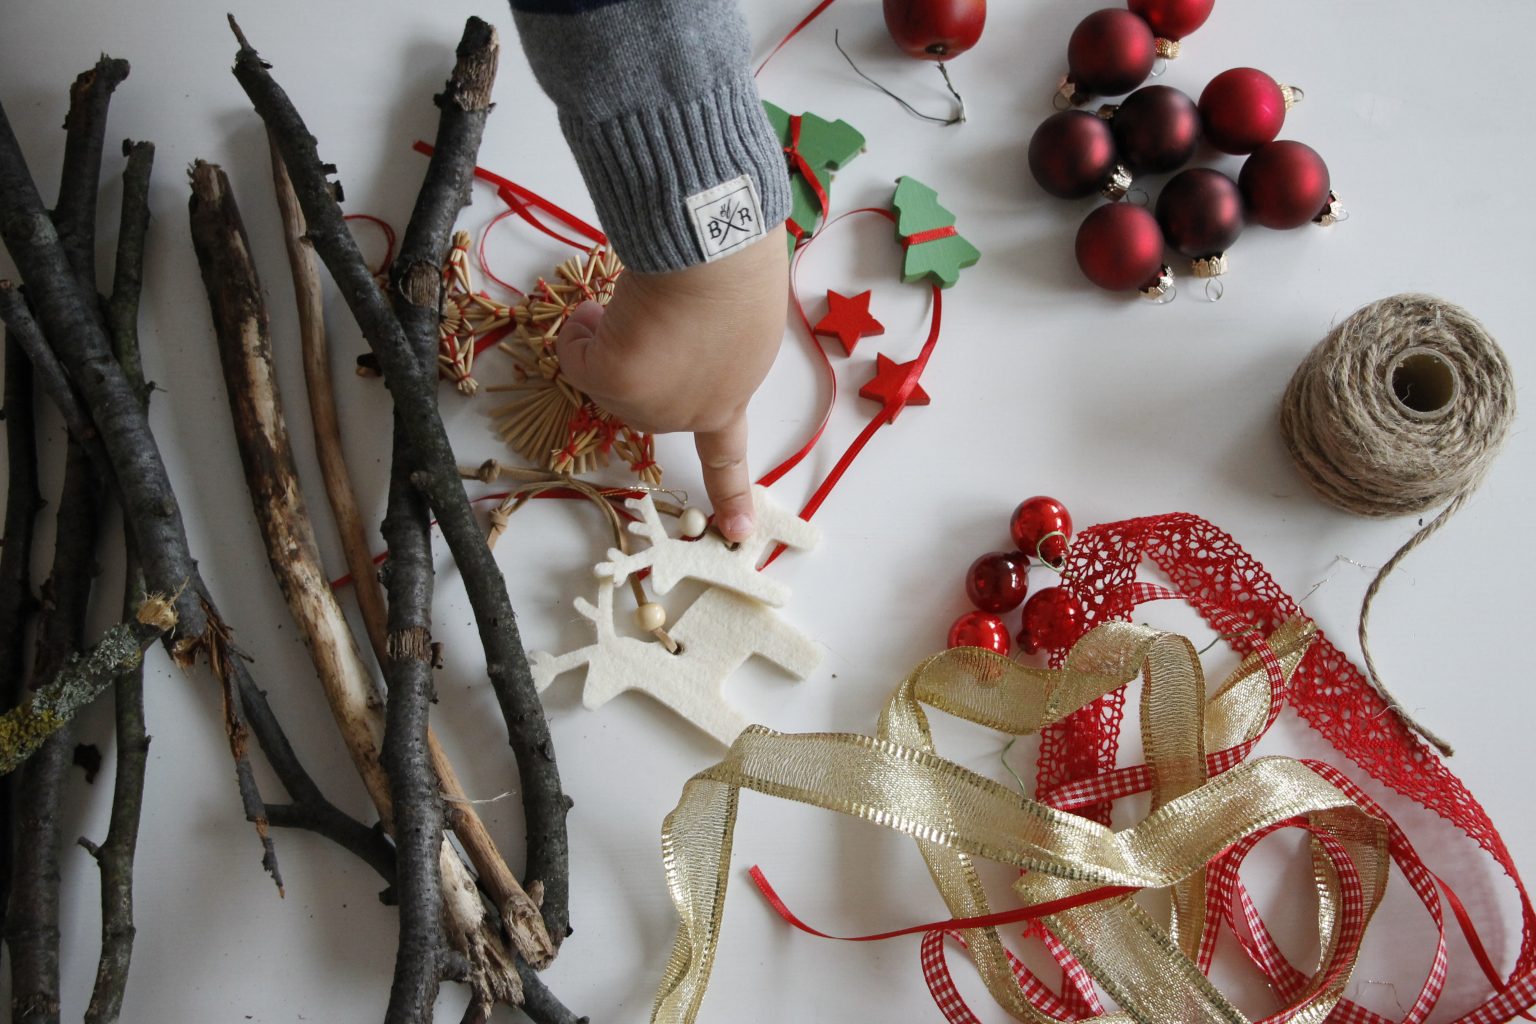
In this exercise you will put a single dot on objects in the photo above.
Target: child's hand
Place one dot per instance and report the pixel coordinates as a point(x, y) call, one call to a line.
point(685, 350)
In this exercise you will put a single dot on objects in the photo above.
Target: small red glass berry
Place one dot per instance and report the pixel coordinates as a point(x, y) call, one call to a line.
point(997, 581)
point(1042, 526)
point(1052, 621)
point(980, 629)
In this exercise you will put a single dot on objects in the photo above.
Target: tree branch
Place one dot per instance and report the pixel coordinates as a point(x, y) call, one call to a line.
point(116, 853)
point(66, 314)
point(85, 127)
point(32, 924)
point(544, 802)
point(17, 603)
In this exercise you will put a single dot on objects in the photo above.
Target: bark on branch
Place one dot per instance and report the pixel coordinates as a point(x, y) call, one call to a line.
point(544, 802)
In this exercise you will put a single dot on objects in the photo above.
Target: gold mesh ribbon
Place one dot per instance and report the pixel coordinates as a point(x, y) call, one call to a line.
point(895, 779)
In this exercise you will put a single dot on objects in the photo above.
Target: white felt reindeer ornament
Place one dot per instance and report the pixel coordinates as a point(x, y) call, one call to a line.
point(714, 635)
point(709, 558)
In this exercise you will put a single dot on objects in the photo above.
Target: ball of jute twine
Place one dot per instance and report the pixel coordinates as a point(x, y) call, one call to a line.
point(1401, 408)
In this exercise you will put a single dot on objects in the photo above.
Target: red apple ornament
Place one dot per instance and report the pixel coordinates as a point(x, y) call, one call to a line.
point(1120, 247)
point(1285, 185)
point(980, 629)
point(935, 29)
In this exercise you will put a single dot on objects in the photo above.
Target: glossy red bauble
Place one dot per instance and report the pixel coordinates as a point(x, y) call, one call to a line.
point(935, 29)
point(998, 581)
point(1111, 52)
point(1156, 130)
point(1200, 212)
point(1173, 19)
point(1072, 154)
point(1242, 109)
point(1120, 247)
point(980, 629)
point(1284, 184)
point(1052, 621)
point(1035, 521)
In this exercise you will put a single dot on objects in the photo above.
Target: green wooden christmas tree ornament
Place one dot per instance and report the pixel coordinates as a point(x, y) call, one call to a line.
point(926, 230)
point(814, 147)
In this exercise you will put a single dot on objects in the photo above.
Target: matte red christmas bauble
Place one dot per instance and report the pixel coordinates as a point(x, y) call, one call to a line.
point(935, 29)
point(1200, 212)
point(1111, 52)
point(1242, 109)
point(998, 581)
point(1034, 521)
point(1052, 621)
point(1120, 247)
point(1072, 154)
point(980, 629)
point(1284, 184)
point(1173, 19)
point(1156, 130)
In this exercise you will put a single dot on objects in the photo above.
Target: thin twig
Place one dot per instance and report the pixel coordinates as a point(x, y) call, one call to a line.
point(115, 855)
point(17, 603)
point(67, 315)
point(520, 913)
point(544, 802)
point(32, 922)
point(46, 368)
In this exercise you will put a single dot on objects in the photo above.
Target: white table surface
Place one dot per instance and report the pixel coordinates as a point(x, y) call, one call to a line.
point(1040, 384)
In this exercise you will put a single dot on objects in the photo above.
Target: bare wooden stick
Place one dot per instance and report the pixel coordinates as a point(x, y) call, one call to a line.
point(17, 603)
point(32, 922)
point(544, 802)
point(115, 855)
point(67, 314)
point(240, 322)
point(519, 912)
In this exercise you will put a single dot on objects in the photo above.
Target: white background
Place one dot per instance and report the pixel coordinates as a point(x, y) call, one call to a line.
point(1040, 384)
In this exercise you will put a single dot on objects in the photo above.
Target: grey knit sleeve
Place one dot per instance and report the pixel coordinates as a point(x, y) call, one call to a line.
point(657, 101)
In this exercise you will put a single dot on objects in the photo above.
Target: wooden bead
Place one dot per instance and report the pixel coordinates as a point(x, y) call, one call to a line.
point(651, 616)
point(694, 523)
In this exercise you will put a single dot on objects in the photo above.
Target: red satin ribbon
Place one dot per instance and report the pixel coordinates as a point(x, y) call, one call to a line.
point(803, 167)
point(815, 13)
point(1014, 916)
point(931, 235)
point(523, 201)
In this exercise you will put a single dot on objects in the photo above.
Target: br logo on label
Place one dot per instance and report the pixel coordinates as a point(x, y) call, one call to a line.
point(726, 217)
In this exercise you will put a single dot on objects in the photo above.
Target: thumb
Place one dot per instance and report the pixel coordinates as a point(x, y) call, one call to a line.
point(583, 358)
point(723, 456)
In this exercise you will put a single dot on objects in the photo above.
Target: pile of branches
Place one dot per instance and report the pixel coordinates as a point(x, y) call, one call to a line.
point(464, 915)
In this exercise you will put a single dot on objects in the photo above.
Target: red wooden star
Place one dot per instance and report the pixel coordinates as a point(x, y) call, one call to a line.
point(885, 387)
point(848, 320)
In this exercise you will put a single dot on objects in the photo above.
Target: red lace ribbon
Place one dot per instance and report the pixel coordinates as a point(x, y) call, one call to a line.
point(1235, 594)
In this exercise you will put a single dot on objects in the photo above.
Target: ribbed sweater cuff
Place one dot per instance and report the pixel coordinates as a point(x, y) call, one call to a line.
point(642, 166)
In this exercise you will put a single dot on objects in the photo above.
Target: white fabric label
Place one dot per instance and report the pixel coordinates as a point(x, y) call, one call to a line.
point(726, 217)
